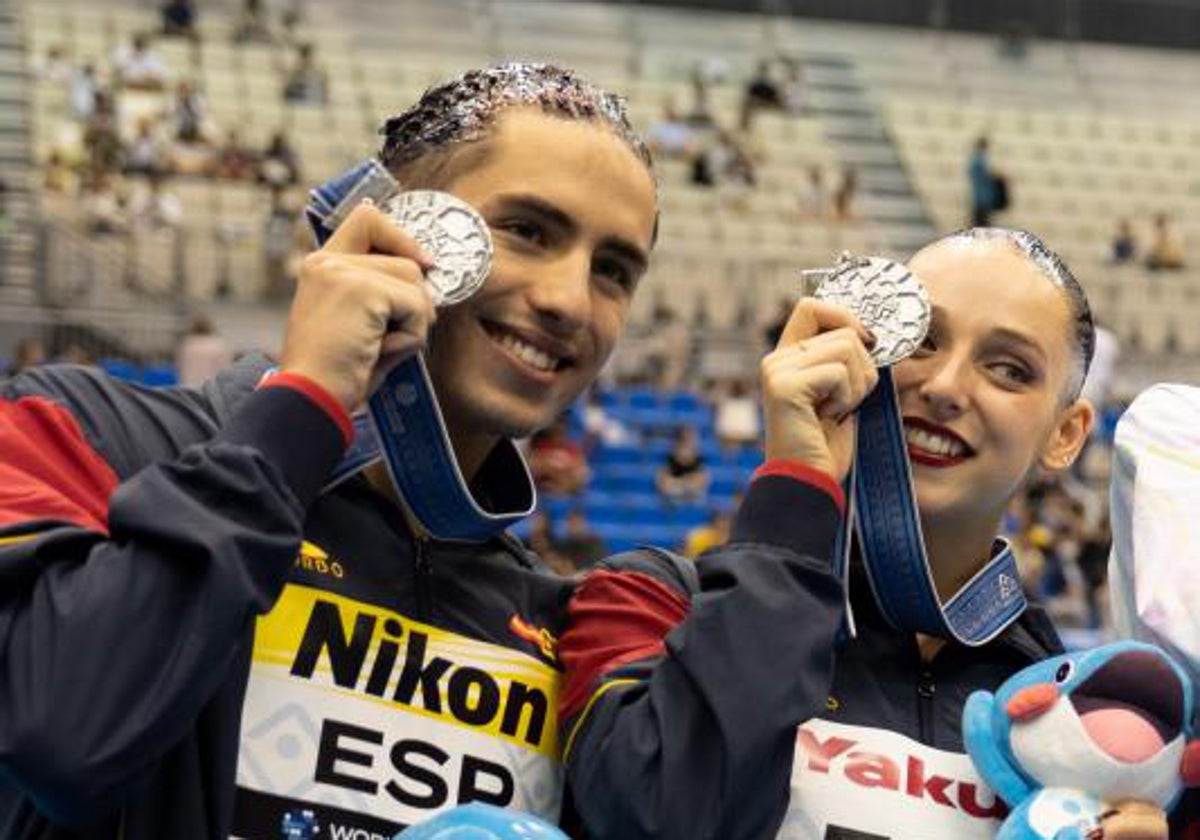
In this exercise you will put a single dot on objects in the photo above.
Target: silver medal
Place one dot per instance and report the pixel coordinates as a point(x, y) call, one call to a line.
point(886, 297)
point(453, 234)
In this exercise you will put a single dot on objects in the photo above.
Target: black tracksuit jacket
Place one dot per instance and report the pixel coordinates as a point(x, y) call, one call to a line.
point(195, 641)
point(726, 704)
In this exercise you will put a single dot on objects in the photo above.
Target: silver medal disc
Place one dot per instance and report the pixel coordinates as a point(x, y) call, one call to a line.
point(454, 235)
point(886, 297)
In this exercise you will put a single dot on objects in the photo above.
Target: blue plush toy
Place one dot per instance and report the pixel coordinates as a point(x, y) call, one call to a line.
point(1062, 741)
point(478, 821)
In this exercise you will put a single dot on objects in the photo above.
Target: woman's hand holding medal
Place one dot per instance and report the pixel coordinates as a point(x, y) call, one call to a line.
point(812, 384)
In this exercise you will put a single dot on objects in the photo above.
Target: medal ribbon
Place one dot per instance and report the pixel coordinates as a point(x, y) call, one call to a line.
point(883, 513)
point(404, 424)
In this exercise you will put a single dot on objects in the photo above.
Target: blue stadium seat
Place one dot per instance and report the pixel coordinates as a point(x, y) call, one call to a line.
point(689, 516)
point(651, 417)
point(160, 376)
point(643, 398)
point(603, 456)
point(684, 402)
point(120, 369)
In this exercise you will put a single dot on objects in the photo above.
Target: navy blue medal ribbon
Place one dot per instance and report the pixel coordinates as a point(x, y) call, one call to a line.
point(404, 425)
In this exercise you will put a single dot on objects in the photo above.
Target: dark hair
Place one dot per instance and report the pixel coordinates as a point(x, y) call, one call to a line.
point(464, 108)
point(1083, 334)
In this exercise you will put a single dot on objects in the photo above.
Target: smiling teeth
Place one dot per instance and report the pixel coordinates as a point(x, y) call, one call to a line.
point(934, 443)
point(527, 353)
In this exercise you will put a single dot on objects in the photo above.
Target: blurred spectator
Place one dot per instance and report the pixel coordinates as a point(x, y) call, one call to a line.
point(279, 243)
point(711, 534)
point(557, 462)
point(306, 81)
point(814, 199)
point(684, 476)
point(1030, 561)
point(1092, 560)
point(599, 428)
point(541, 541)
point(138, 67)
point(105, 205)
point(235, 161)
point(189, 111)
point(279, 166)
point(761, 90)
point(792, 92)
point(667, 348)
point(670, 136)
point(740, 168)
point(1124, 244)
point(54, 67)
point(700, 115)
point(179, 18)
point(76, 353)
point(27, 352)
point(724, 160)
point(102, 144)
point(1015, 36)
point(147, 153)
point(702, 172)
point(983, 185)
point(289, 24)
point(579, 544)
point(84, 86)
point(1166, 248)
point(843, 197)
point(252, 24)
point(202, 353)
point(736, 420)
point(154, 205)
point(57, 175)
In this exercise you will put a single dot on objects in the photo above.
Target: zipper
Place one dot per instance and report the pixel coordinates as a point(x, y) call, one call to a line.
point(421, 570)
point(926, 691)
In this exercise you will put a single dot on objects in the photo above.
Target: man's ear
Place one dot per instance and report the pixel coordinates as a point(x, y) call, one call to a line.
point(1071, 432)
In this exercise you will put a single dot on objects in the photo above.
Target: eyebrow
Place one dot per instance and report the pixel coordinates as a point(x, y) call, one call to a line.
point(553, 215)
point(1007, 334)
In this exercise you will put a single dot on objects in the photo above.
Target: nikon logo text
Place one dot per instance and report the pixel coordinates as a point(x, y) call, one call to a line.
point(403, 671)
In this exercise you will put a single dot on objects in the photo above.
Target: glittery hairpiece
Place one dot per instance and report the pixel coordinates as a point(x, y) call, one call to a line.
point(464, 109)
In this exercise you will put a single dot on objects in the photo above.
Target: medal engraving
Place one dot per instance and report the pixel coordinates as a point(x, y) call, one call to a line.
point(454, 234)
point(886, 297)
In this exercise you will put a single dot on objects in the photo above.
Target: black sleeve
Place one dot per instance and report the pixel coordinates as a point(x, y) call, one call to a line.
point(682, 699)
point(123, 598)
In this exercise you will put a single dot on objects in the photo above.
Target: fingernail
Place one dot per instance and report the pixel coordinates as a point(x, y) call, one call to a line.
point(870, 339)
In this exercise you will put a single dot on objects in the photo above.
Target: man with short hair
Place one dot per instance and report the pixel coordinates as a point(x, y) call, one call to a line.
point(198, 639)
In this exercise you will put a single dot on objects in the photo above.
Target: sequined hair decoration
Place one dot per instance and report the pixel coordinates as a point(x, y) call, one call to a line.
point(463, 109)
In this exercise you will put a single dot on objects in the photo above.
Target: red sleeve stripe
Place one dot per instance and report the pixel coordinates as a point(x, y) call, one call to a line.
point(614, 618)
point(48, 469)
point(324, 400)
point(809, 475)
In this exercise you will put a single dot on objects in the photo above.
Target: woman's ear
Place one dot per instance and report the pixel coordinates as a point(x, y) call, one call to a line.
point(1070, 433)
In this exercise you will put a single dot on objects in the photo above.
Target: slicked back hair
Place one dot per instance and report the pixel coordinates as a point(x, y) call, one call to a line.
point(1050, 264)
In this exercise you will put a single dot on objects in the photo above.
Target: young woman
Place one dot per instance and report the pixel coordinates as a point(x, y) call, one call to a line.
point(726, 704)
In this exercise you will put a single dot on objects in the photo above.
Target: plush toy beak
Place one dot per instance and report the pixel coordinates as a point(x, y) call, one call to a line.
point(1189, 768)
point(1033, 701)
